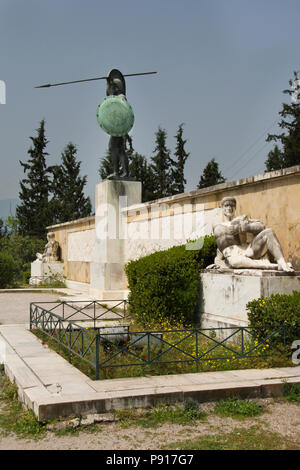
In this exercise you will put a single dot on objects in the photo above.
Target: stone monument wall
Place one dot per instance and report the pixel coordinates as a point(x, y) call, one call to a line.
point(271, 197)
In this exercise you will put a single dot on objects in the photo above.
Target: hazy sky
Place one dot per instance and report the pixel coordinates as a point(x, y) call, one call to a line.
point(222, 66)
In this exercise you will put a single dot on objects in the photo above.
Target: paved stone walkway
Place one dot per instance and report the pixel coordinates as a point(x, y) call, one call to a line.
point(14, 306)
point(15, 303)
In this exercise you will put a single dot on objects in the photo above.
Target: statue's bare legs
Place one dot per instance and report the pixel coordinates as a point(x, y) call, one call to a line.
point(266, 241)
point(118, 154)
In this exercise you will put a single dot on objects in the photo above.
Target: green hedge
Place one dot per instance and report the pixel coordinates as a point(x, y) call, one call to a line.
point(7, 270)
point(266, 315)
point(165, 284)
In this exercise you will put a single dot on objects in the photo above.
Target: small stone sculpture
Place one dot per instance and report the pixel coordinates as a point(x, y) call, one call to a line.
point(236, 251)
point(51, 252)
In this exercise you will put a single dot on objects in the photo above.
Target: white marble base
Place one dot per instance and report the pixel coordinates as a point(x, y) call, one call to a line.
point(44, 272)
point(224, 296)
point(107, 276)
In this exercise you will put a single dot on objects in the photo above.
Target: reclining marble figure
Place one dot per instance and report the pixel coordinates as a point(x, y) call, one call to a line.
point(235, 251)
point(51, 252)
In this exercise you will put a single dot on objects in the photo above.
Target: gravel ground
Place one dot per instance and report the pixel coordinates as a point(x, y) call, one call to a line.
point(280, 417)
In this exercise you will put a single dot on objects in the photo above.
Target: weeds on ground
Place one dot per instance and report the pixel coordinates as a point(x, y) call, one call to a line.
point(253, 438)
point(291, 392)
point(14, 418)
point(235, 408)
point(170, 356)
point(184, 415)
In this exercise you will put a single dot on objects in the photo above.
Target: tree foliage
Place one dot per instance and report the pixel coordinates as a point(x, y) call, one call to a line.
point(50, 194)
point(69, 201)
point(163, 176)
point(211, 175)
point(142, 171)
point(287, 153)
point(138, 169)
point(162, 165)
point(7, 269)
point(33, 213)
point(178, 179)
point(3, 228)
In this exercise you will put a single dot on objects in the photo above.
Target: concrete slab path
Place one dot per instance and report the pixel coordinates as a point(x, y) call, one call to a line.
point(53, 388)
point(15, 303)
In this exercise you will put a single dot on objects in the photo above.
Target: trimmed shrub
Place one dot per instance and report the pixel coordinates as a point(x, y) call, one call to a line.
point(7, 269)
point(165, 284)
point(266, 315)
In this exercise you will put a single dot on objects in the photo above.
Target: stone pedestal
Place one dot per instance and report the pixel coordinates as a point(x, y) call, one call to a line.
point(107, 277)
point(46, 272)
point(224, 296)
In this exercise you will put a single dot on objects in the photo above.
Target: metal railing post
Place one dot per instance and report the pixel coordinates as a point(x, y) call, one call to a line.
point(97, 356)
point(30, 320)
point(70, 356)
point(149, 354)
point(242, 341)
point(197, 356)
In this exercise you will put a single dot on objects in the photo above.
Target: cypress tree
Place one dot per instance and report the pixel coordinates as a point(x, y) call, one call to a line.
point(162, 165)
point(34, 212)
point(106, 167)
point(69, 201)
point(211, 175)
point(289, 139)
point(179, 181)
point(275, 160)
point(142, 171)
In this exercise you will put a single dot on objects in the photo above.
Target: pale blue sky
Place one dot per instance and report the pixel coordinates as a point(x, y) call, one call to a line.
point(222, 66)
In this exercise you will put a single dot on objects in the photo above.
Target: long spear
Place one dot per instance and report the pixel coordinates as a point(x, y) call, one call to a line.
point(90, 79)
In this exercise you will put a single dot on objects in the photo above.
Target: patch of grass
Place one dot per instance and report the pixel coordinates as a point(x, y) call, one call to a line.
point(253, 438)
point(67, 431)
point(14, 418)
point(178, 414)
point(291, 392)
point(235, 408)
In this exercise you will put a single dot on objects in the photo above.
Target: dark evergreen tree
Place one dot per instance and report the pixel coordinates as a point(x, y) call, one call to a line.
point(289, 139)
point(106, 166)
point(69, 201)
point(34, 213)
point(162, 165)
point(3, 229)
point(142, 171)
point(211, 175)
point(178, 180)
point(275, 159)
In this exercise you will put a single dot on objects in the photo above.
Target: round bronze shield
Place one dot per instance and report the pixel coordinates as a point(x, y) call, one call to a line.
point(115, 115)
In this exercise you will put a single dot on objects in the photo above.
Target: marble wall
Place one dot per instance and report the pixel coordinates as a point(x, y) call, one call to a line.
point(271, 197)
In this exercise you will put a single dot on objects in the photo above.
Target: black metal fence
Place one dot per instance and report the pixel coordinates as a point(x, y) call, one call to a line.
point(81, 332)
